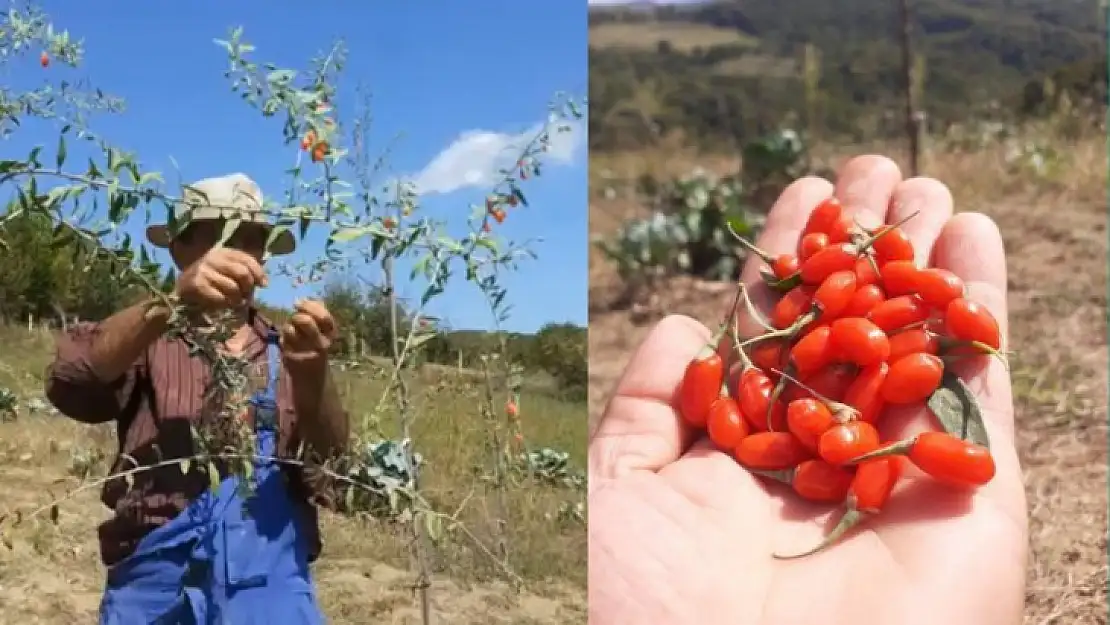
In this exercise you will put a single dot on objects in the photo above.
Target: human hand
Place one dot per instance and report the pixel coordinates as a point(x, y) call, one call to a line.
point(307, 336)
point(681, 533)
point(222, 278)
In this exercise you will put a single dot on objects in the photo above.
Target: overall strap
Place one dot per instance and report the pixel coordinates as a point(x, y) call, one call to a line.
point(273, 362)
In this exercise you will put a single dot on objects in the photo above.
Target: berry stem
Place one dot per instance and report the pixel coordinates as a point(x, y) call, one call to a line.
point(852, 517)
point(898, 448)
point(763, 255)
point(714, 342)
point(745, 361)
point(949, 344)
point(841, 411)
point(787, 332)
point(883, 231)
point(749, 307)
point(780, 386)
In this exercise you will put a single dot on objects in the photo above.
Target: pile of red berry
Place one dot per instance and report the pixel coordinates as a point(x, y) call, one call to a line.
point(858, 327)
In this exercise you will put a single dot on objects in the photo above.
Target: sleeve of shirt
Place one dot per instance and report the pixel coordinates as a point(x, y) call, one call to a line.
point(72, 386)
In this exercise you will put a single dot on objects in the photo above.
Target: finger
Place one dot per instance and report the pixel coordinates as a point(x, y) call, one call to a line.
point(971, 247)
point(865, 185)
point(241, 265)
point(227, 290)
point(230, 267)
point(212, 295)
point(780, 236)
point(307, 332)
point(319, 313)
point(640, 429)
point(932, 201)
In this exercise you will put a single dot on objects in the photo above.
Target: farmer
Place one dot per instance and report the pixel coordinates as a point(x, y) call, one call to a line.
point(175, 552)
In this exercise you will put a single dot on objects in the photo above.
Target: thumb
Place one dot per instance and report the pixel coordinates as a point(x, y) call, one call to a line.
point(640, 428)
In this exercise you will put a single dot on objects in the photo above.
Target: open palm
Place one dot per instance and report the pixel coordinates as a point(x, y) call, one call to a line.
point(680, 533)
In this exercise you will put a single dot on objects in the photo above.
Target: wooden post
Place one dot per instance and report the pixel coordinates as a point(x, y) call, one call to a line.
point(908, 84)
point(811, 76)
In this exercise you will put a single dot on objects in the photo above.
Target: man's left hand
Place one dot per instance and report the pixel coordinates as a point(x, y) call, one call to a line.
point(307, 336)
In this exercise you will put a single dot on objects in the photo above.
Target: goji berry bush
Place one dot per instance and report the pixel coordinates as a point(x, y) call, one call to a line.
point(379, 479)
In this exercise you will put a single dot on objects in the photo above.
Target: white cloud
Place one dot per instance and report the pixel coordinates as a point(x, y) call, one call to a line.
point(474, 158)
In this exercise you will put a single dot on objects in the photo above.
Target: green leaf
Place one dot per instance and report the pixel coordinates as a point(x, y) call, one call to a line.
point(956, 407)
point(275, 232)
point(346, 235)
point(60, 159)
point(782, 285)
point(785, 476)
point(230, 226)
point(213, 477)
point(434, 526)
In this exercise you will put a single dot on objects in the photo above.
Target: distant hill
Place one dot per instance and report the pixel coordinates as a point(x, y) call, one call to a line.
point(708, 69)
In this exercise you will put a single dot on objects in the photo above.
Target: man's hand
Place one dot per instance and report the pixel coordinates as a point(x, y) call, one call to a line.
point(221, 279)
point(307, 336)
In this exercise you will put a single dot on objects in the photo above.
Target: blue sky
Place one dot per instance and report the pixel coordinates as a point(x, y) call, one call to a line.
point(456, 80)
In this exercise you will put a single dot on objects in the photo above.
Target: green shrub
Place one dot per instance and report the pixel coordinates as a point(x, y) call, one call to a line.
point(688, 233)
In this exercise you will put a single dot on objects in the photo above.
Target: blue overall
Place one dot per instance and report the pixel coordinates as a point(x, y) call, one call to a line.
point(213, 564)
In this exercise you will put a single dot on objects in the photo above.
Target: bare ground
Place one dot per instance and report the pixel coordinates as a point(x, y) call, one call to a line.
point(52, 574)
point(1055, 234)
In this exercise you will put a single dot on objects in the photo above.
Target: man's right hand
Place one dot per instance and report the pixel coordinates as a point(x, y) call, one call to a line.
point(221, 279)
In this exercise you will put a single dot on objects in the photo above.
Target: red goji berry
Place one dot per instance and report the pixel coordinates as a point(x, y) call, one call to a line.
point(839, 257)
point(810, 244)
point(858, 341)
point(807, 419)
point(865, 392)
point(834, 294)
point(866, 273)
point(912, 378)
point(771, 451)
point(819, 481)
point(44, 59)
point(937, 287)
point(966, 320)
point(952, 460)
point(824, 217)
point(891, 244)
point(782, 266)
point(785, 266)
point(795, 303)
point(899, 277)
point(899, 312)
point(701, 385)
point(913, 341)
point(725, 425)
point(812, 351)
point(831, 382)
point(864, 300)
point(754, 396)
point(847, 441)
point(769, 354)
point(841, 230)
point(873, 482)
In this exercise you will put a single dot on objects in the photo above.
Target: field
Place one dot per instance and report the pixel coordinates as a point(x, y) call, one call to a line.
point(54, 574)
point(684, 37)
point(1055, 232)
